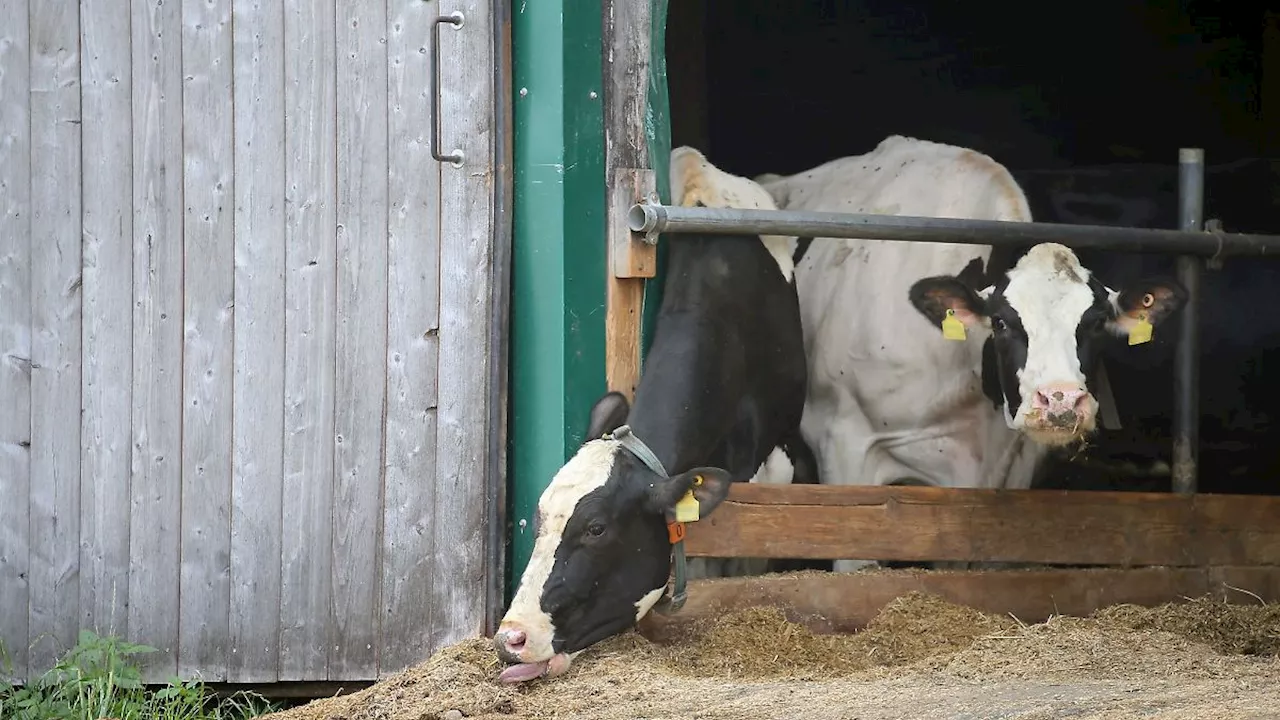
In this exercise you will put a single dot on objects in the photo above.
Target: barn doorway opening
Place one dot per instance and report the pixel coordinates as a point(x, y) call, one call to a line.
point(1086, 107)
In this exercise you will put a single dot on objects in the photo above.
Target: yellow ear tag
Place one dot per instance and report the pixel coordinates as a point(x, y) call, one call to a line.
point(1141, 332)
point(687, 509)
point(952, 329)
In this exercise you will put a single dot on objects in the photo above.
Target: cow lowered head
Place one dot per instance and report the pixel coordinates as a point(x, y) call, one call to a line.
point(722, 390)
point(1047, 318)
point(602, 554)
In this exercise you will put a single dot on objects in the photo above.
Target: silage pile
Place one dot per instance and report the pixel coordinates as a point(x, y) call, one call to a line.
point(728, 661)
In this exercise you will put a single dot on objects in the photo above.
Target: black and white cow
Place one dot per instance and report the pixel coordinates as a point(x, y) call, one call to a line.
point(722, 391)
point(1238, 394)
point(890, 400)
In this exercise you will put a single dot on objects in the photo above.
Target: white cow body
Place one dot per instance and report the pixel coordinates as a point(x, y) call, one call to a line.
point(889, 399)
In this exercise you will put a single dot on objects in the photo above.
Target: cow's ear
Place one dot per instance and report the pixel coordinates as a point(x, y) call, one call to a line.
point(1154, 298)
point(709, 485)
point(934, 296)
point(607, 415)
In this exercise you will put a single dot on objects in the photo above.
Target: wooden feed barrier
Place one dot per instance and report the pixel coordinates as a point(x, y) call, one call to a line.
point(1142, 548)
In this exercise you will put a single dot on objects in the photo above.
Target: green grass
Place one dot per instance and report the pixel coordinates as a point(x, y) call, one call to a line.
point(100, 678)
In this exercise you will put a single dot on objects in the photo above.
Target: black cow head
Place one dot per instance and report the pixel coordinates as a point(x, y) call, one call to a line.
point(602, 555)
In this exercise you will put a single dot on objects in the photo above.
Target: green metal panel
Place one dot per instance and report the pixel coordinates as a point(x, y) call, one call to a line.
point(658, 121)
point(558, 273)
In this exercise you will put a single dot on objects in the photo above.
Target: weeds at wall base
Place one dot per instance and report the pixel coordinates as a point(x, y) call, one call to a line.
point(100, 678)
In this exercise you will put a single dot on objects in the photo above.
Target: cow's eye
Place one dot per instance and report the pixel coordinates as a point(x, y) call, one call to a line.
point(999, 324)
point(595, 529)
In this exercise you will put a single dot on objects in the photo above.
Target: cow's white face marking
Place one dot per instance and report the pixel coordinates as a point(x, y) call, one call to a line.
point(646, 603)
point(1049, 289)
point(587, 470)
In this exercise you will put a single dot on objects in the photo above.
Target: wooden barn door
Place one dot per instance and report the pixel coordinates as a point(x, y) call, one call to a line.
point(252, 333)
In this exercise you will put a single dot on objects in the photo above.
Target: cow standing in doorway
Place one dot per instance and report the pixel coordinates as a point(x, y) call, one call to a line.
point(720, 401)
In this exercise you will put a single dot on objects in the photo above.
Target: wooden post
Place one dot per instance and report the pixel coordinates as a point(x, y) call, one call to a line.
point(627, 163)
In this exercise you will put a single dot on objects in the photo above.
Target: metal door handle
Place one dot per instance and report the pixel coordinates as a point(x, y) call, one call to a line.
point(455, 19)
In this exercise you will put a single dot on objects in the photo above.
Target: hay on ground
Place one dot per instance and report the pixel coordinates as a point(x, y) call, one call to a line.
point(748, 661)
point(1229, 629)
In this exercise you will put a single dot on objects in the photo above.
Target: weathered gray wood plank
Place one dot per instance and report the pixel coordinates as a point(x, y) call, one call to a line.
point(466, 102)
point(258, 454)
point(15, 331)
point(108, 315)
point(408, 551)
point(361, 335)
point(155, 493)
point(55, 332)
point(310, 194)
point(209, 246)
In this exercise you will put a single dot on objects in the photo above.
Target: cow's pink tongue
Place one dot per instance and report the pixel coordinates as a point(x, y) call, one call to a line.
point(523, 672)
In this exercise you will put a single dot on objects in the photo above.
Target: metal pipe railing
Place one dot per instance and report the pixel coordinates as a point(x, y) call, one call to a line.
point(652, 220)
point(1186, 360)
point(1191, 242)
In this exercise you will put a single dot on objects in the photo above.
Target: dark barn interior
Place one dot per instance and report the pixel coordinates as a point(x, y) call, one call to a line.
point(1087, 106)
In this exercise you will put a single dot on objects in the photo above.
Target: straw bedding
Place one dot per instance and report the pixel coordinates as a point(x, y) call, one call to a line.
point(920, 657)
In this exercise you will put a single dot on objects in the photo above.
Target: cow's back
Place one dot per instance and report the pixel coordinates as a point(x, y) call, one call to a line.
point(888, 396)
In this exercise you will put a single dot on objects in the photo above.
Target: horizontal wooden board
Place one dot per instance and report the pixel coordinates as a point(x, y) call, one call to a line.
point(846, 602)
point(1029, 526)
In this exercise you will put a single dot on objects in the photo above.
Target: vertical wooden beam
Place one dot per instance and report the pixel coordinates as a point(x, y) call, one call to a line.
point(208, 191)
point(310, 139)
point(15, 332)
point(465, 352)
point(55, 329)
point(627, 168)
point(108, 317)
point(257, 475)
point(413, 325)
point(361, 339)
point(156, 483)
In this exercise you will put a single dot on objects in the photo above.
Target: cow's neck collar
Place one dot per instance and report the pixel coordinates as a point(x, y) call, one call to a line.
point(675, 530)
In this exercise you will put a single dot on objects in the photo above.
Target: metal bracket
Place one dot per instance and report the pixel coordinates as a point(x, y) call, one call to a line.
point(653, 200)
point(1213, 226)
point(632, 255)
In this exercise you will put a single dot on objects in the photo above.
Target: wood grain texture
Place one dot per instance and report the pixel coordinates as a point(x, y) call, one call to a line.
point(628, 168)
point(629, 255)
point(259, 356)
point(310, 277)
point(498, 531)
point(156, 483)
point(361, 336)
point(208, 227)
point(408, 551)
point(624, 301)
point(632, 260)
point(466, 229)
point(626, 67)
point(846, 602)
point(56, 330)
point(15, 332)
point(1035, 526)
point(107, 198)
